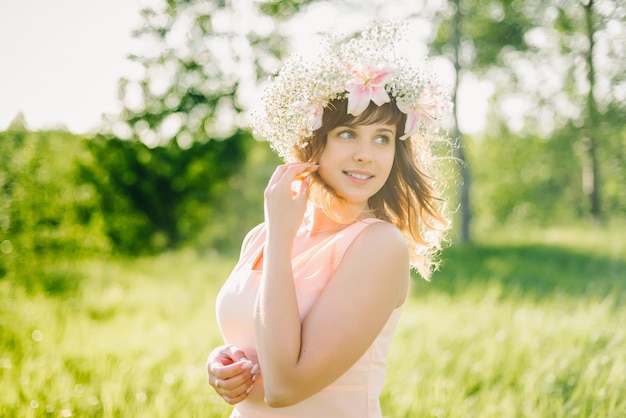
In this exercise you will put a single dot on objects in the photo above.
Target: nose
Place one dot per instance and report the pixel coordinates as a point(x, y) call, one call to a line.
point(363, 151)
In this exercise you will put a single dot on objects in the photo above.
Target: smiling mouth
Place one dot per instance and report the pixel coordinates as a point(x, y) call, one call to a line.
point(358, 176)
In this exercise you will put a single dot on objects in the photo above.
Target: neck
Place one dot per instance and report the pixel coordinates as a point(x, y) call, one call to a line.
point(319, 222)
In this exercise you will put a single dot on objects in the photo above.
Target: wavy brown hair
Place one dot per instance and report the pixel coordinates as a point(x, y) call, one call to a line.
point(409, 199)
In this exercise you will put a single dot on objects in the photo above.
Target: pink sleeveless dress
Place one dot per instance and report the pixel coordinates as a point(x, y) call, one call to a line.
point(356, 393)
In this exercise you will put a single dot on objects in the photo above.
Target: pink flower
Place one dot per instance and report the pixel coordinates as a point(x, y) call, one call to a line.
point(412, 120)
point(428, 108)
point(315, 117)
point(312, 113)
point(366, 85)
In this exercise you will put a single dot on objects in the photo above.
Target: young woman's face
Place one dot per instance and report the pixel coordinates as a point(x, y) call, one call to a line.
point(357, 160)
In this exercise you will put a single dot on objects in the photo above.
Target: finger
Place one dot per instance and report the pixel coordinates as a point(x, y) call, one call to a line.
point(290, 179)
point(240, 397)
point(236, 353)
point(238, 393)
point(239, 389)
point(280, 171)
point(311, 168)
point(235, 400)
point(216, 386)
point(300, 184)
point(225, 371)
point(221, 355)
point(238, 382)
point(228, 355)
point(288, 171)
point(299, 170)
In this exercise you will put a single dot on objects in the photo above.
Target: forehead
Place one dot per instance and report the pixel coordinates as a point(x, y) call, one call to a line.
point(387, 114)
point(369, 128)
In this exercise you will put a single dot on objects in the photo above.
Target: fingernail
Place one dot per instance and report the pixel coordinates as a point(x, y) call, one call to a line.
point(255, 377)
point(255, 369)
point(249, 389)
point(246, 365)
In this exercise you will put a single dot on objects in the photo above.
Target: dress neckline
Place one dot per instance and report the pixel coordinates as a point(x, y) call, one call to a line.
point(254, 265)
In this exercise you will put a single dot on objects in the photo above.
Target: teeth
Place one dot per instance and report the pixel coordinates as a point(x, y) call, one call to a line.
point(359, 176)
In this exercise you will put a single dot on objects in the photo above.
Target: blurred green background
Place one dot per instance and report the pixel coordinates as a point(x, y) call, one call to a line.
point(113, 244)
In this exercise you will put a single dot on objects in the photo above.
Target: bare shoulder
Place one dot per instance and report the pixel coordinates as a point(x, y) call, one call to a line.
point(379, 251)
point(384, 238)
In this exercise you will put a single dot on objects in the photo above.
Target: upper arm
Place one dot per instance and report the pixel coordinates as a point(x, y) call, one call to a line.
point(370, 282)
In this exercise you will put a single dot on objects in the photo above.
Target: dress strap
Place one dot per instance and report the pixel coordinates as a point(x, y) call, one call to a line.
point(252, 246)
point(347, 236)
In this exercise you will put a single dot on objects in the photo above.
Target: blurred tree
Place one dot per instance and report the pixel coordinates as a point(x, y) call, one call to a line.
point(570, 83)
point(200, 68)
point(557, 72)
point(587, 34)
point(153, 199)
point(525, 179)
point(47, 216)
point(165, 162)
point(240, 207)
point(531, 179)
point(18, 124)
point(592, 112)
point(612, 132)
point(473, 35)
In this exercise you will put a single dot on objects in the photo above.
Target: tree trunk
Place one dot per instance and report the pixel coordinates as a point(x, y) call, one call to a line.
point(591, 173)
point(464, 190)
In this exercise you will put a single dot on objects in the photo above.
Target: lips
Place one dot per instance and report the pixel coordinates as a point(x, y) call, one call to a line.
point(358, 176)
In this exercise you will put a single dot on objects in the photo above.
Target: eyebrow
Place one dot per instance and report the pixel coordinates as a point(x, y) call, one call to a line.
point(388, 130)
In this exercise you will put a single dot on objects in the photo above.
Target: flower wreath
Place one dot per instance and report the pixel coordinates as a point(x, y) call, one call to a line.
point(361, 70)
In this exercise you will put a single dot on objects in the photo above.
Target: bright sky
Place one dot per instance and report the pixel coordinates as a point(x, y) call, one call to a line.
point(60, 61)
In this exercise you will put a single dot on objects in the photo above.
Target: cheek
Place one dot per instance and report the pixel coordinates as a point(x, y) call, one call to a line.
point(327, 169)
point(388, 159)
point(324, 164)
point(329, 158)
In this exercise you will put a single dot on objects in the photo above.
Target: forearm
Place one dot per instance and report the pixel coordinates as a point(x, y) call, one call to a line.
point(277, 320)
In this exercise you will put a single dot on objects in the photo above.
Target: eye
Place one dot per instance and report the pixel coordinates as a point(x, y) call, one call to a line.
point(347, 134)
point(382, 139)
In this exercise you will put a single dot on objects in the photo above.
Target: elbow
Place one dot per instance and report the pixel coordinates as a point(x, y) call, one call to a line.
point(280, 397)
point(277, 402)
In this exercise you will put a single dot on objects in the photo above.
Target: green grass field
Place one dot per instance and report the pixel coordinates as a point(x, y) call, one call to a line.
point(524, 324)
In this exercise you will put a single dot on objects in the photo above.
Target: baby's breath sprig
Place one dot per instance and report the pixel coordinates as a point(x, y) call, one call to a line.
point(363, 69)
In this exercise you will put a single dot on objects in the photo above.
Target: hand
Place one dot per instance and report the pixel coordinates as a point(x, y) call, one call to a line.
point(231, 374)
point(286, 196)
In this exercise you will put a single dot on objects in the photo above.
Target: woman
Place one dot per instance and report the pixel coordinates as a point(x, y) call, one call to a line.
point(309, 310)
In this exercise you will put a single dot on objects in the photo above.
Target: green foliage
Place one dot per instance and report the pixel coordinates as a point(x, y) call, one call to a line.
point(47, 216)
point(63, 198)
point(553, 149)
point(172, 181)
point(202, 61)
point(612, 152)
point(525, 179)
point(486, 29)
point(157, 198)
point(240, 207)
point(283, 9)
point(532, 179)
point(526, 323)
